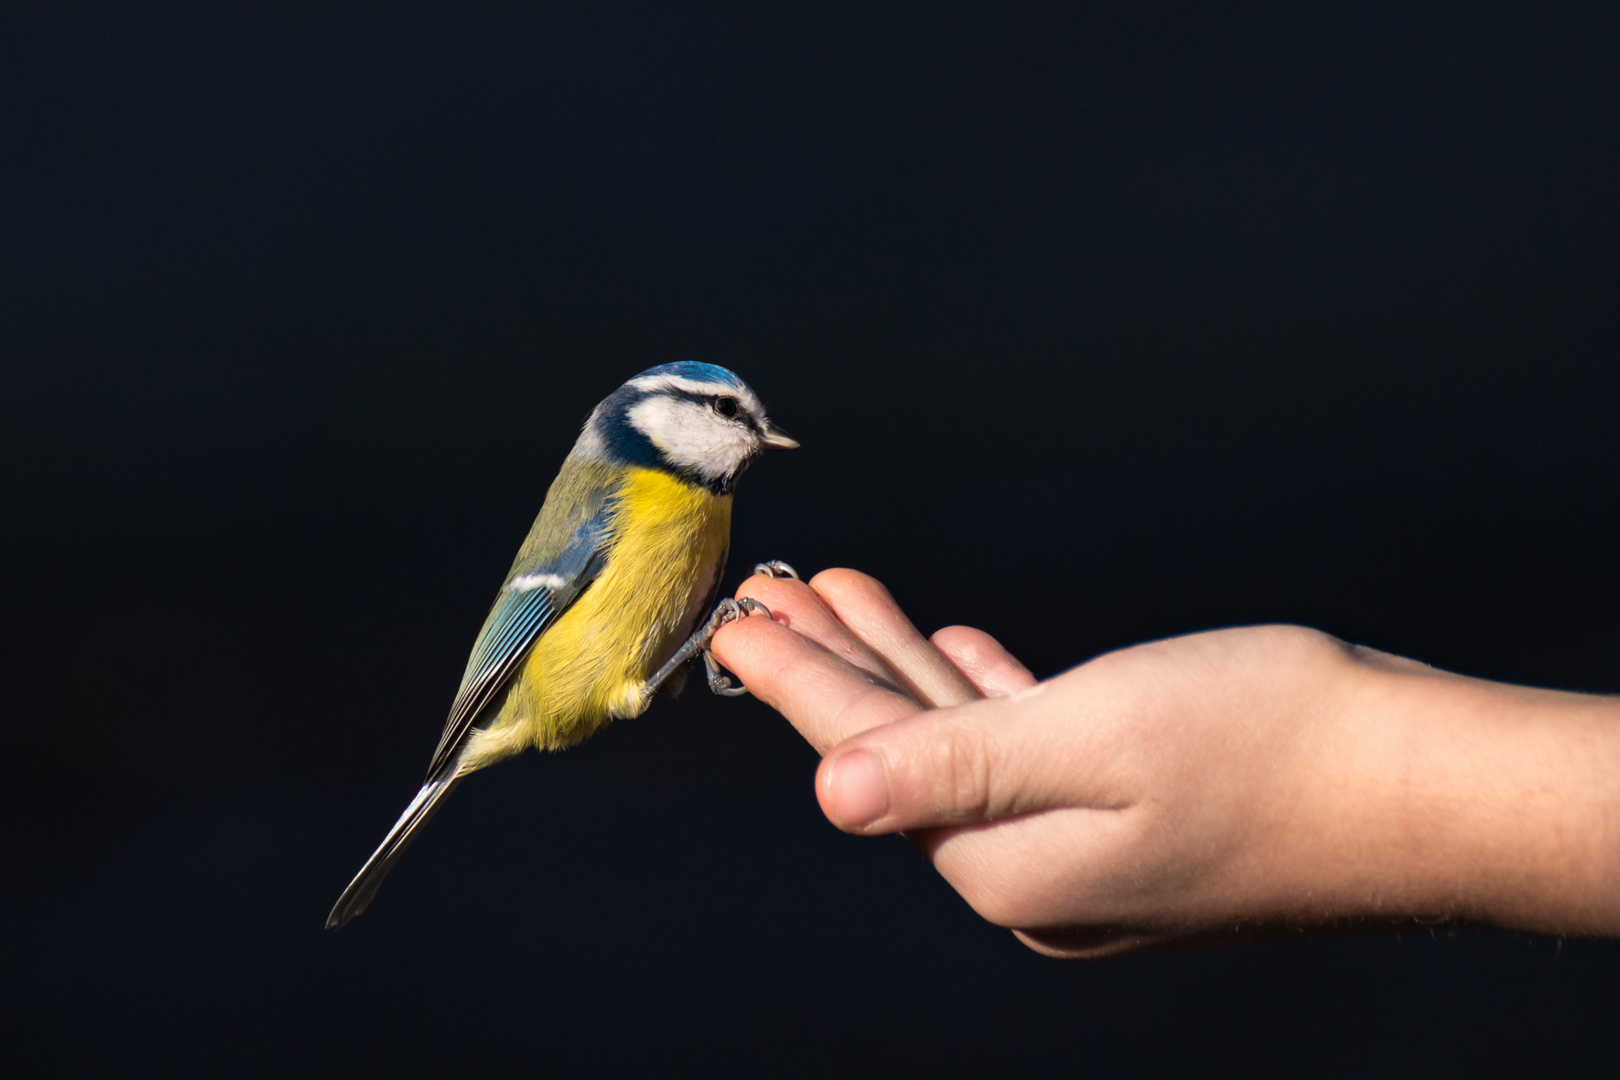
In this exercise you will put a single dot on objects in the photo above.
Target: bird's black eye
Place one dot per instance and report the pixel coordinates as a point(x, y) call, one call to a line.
point(726, 407)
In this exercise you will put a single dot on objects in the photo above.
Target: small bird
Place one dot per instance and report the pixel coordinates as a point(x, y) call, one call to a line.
point(604, 606)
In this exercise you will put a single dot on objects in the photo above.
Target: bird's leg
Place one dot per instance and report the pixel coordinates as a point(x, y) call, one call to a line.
point(776, 568)
point(728, 610)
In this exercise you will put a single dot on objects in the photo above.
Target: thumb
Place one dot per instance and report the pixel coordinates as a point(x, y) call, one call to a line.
point(973, 763)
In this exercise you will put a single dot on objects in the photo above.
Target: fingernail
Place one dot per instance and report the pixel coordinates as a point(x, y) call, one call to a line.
point(858, 794)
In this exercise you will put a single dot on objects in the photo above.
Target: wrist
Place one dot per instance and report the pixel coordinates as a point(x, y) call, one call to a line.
point(1485, 803)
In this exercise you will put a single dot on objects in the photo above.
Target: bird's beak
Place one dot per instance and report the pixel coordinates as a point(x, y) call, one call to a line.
point(774, 438)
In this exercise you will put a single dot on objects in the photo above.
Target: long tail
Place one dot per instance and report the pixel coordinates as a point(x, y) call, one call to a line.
point(364, 886)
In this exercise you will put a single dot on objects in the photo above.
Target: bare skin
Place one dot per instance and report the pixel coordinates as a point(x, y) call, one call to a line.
point(1222, 786)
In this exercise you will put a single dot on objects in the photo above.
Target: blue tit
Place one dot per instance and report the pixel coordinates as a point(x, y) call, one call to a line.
point(605, 605)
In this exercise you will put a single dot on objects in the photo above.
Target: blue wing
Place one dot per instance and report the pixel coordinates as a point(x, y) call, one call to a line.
point(564, 552)
point(537, 591)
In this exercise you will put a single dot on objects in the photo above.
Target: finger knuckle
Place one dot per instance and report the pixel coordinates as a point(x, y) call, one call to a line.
point(963, 766)
point(969, 644)
point(851, 585)
point(834, 577)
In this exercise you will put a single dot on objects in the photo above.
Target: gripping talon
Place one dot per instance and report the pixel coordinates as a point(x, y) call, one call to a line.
point(751, 606)
point(776, 568)
point(719, 682)
point(727, 610)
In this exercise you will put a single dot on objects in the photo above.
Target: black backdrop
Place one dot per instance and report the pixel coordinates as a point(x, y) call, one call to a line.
point(1095, 326)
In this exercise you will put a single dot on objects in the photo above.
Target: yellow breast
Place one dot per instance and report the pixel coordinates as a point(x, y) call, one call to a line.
point(666, 543)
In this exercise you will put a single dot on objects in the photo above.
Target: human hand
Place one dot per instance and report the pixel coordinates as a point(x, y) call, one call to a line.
point(1219, 786)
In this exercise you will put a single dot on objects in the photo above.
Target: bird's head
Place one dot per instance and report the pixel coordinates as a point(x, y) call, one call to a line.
point(699, 421)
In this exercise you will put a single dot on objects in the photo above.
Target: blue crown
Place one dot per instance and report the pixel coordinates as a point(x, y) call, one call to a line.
point(693, 369)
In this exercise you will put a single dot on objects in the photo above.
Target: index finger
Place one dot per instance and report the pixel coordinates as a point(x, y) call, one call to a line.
point(862, 603)
point(795, 604)
point(826, 698)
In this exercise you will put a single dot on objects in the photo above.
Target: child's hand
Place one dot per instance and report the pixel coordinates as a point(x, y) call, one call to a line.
point(1218, 786)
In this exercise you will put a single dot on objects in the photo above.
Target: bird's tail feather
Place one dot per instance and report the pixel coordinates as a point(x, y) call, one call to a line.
point(364, 886)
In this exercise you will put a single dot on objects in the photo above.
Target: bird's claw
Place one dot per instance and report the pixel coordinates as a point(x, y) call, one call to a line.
point(776, 568)
point(728, 611)
point(719, 681)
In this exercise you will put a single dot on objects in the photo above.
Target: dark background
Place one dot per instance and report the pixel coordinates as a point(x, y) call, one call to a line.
point(1095, 325)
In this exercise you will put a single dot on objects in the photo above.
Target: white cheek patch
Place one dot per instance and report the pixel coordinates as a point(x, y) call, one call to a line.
point(692, 435)
point(530, 582)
